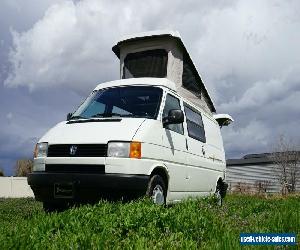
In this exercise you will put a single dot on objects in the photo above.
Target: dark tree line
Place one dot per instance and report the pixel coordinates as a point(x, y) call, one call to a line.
point(1, 172)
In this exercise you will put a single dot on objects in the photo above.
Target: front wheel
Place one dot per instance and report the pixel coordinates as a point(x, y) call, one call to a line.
point(157, 190)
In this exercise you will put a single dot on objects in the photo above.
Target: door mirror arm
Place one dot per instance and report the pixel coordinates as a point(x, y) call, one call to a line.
point(69, 115)
point(165, 121)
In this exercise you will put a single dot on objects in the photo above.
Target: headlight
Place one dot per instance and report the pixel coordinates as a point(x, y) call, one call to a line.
point(124, 149)
point(41, 149)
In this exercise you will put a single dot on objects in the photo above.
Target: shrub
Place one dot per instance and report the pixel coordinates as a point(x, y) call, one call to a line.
point(242, 188)
point(23, 167)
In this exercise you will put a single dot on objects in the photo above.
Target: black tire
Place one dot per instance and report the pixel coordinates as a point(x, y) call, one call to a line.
point(157, 190)
point(221, 190)
point(50, 207)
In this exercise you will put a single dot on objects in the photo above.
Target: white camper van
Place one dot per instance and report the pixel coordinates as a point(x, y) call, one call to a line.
point(153, 132)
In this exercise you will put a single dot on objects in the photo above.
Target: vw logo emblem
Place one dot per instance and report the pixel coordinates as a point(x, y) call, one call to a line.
point(73, 150)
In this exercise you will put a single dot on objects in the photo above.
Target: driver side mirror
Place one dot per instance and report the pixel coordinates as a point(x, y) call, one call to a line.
point(175, 116)
point(69, 115)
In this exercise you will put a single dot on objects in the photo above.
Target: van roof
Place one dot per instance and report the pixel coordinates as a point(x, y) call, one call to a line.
point(165, 33)
point(144, 35)
point(151, 81)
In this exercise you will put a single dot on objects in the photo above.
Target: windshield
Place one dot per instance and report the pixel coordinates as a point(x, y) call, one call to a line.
point(133, 101)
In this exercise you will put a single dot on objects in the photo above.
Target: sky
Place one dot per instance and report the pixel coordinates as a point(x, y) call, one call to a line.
point(54, 52)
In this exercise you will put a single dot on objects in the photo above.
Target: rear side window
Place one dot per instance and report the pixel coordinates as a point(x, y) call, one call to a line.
point(172, 103)
point(194, 124)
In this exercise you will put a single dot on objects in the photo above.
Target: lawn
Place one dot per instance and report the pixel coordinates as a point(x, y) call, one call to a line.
point(197, 224)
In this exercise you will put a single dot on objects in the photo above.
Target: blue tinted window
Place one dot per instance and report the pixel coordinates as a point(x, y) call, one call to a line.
point(133, 101)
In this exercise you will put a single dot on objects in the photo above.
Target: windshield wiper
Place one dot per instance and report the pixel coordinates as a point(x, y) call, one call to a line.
point(121, 115)
point(106, 115)
point(77, 117)
point(137, 116)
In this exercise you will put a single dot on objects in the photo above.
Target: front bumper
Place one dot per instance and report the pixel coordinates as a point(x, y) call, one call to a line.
point(87, 187)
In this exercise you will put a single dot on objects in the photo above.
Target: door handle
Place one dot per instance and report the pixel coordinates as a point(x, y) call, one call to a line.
point(186, 144)
point(203, 151)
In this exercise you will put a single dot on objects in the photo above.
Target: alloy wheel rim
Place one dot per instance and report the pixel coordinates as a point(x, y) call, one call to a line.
point(219, 198)
point(158, 195)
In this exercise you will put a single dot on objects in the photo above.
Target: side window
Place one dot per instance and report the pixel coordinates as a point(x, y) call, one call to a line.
point(194, 124)
point(172, 103)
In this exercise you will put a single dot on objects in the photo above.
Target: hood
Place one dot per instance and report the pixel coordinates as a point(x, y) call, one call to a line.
point(93, 132)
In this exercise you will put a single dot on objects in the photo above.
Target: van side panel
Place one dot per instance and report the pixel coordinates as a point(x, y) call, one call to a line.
point(205, 160)
point(214, 142)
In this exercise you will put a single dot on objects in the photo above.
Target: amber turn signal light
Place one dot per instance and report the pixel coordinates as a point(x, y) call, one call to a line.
point(135, 150)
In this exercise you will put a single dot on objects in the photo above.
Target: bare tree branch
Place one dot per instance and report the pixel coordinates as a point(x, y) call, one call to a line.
point(286, 159)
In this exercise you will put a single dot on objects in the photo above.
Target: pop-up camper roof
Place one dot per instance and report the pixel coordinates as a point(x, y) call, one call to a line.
point(163, 54)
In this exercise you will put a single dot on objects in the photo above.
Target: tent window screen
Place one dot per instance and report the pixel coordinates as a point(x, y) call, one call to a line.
point(151, 63)
point(189, 79)
point(194, 124)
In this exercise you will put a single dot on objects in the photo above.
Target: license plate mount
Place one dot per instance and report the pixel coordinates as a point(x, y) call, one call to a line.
point(64, 190)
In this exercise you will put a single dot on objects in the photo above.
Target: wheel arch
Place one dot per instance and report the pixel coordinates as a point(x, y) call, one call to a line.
point(161, 171)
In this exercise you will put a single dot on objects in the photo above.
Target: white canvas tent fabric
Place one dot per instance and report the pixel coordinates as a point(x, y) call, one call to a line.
point(194, 90)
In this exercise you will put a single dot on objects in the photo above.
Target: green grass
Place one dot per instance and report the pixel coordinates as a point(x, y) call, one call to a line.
point(140, 224)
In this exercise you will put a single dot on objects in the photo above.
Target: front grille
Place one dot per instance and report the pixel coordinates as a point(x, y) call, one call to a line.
point(68, 168)
point(82, 150)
